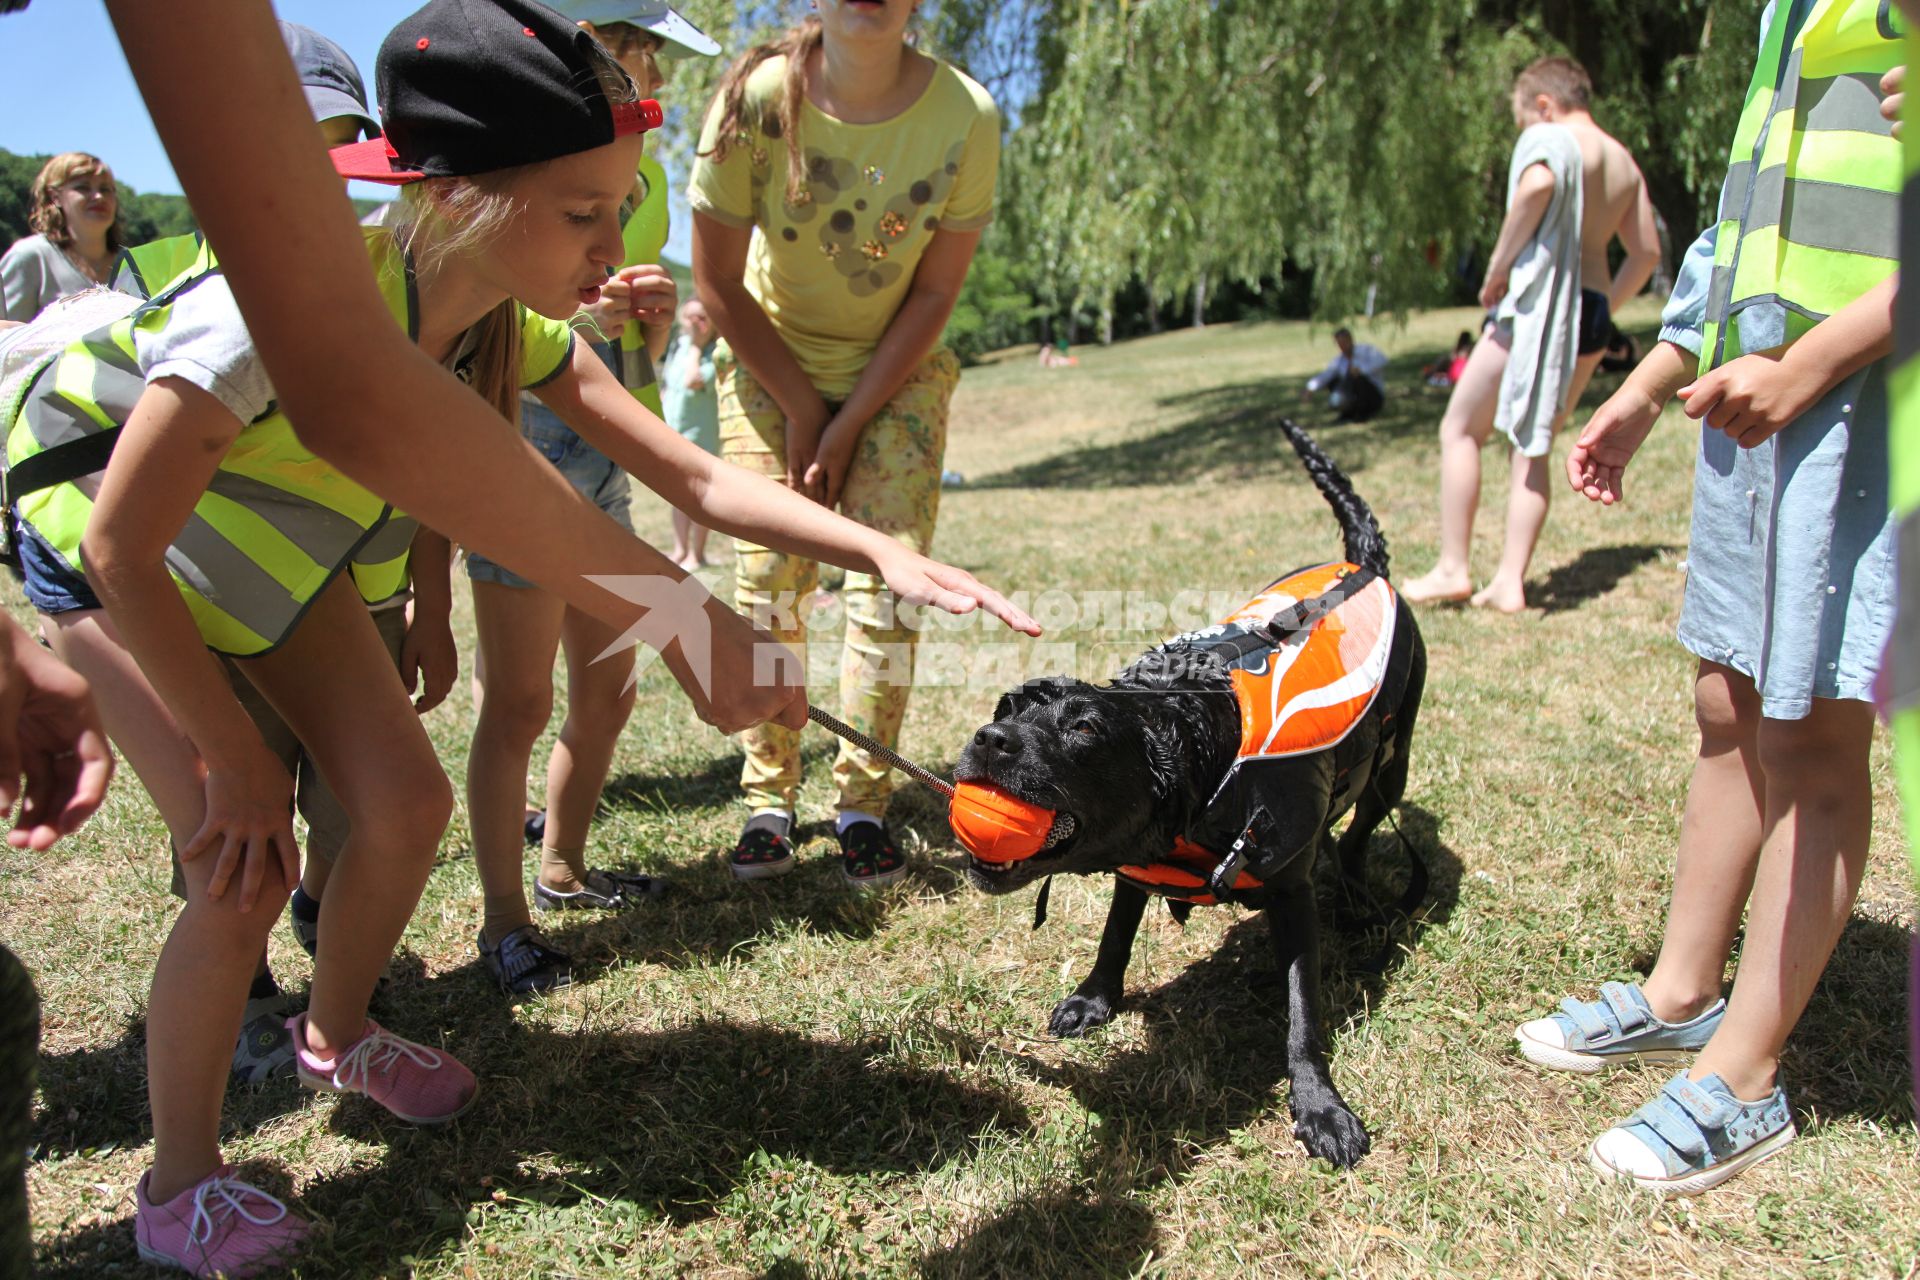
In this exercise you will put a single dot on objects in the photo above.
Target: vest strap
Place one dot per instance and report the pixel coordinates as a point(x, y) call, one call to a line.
point(58, 465)
point(1304, 615)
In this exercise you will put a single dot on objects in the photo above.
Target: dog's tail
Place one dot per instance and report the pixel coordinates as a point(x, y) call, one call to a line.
point(1365, 546)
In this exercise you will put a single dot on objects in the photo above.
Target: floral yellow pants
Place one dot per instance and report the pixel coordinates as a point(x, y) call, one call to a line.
point(893, 485)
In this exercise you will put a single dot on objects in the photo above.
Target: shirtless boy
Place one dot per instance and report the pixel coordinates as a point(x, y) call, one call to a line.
point(1613, 204)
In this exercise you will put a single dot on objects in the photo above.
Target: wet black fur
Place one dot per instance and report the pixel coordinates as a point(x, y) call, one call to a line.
point(1136, 761)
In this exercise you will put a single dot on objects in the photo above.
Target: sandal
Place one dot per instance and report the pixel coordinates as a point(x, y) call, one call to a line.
point(1694, 1135)
point(868, 856)
point(525, 963)
point(1617, 1028)
point(604, 891)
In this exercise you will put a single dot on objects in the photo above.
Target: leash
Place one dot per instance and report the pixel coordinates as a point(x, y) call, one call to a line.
point(842, 729)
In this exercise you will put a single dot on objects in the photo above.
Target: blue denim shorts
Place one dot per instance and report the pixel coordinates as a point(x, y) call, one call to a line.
point(51, 585)
point(589, 470)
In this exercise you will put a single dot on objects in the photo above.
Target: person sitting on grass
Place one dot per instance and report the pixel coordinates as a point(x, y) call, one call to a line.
point(1355, 380)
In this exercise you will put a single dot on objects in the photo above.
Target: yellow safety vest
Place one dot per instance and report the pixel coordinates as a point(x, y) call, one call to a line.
point(1809, 211)
point(644, 235)
point(276, 524)
point(1903, 446)
point(146, 269)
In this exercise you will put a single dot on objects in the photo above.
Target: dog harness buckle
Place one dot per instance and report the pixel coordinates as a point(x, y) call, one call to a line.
point(1220, 882)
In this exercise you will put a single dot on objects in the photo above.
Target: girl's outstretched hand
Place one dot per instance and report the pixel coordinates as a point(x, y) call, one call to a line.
point(916, 579)
point(250, 821)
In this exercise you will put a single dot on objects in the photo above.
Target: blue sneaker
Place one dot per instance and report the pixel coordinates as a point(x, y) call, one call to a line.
point(1696, 1134)
point(1617, 1028)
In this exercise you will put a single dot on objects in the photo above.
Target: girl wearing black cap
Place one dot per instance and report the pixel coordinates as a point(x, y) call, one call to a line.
point(519, 139)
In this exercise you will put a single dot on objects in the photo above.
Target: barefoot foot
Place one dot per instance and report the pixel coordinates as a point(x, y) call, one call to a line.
point(1437, 588)
point(1499, 597)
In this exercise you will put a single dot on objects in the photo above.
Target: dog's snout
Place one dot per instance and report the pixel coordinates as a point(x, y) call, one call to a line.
point(998, 738)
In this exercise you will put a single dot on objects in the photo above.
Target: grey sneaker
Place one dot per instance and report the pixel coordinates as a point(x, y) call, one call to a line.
point(525, 963)
point(265, 1050)
point(307, 934)
point(1617, 1028)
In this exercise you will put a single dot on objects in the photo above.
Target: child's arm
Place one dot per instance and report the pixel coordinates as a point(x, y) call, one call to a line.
point(719, 275)
point(1640, 236)
point(1598, 461)
point(1531, 196)
point(428, 657)
point(1754, 396)
point(163, 461)
point(735, 501)
point(910, 335)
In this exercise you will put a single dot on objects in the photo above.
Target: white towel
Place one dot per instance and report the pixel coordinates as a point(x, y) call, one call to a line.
point(1542, 305)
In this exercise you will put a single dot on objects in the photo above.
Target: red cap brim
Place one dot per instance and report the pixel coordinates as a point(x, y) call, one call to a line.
point(636, 117)
point(372, 161)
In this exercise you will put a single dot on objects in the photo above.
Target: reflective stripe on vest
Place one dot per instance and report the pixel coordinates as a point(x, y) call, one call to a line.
point(1809, 211)
point(1903, 447)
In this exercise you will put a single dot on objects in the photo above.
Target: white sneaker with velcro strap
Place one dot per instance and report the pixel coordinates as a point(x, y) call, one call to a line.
point(1620, 1027)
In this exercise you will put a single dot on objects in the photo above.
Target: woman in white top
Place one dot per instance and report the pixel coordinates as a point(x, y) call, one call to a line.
point(74, 212)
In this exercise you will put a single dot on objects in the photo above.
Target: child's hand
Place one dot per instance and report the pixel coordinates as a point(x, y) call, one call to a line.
point(1892, 85)
point(1751, 398)
point(1493, 289)
point(651, 292)
point(1599, 458)
point(740, 682)
point(803, 442)
point(916, 579)
point(429, 659)
point(615, 307)
point(50, 731)
point(826, 476)
point(250, 817)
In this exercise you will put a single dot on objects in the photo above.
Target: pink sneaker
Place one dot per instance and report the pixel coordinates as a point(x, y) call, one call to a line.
point(416, 1083)
point(220, 1226)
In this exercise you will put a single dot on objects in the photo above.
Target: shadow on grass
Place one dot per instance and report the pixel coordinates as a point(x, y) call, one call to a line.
point(1590, 575)
point(651, 1125)
point(1217, 1033)
point(1052, 1236)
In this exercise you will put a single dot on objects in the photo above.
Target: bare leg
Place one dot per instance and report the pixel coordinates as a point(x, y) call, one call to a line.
point(1464, 428)
point(519, 635)
point(1720, 835)
point(1819, 817)
point(599, 700)
point(1527, 496)
point(680, 551)
point(335, 685)
point(200, 983)
point(697, 532)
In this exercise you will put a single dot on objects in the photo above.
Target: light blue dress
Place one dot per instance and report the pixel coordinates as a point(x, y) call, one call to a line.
point(1790, 571)
point(695, 414)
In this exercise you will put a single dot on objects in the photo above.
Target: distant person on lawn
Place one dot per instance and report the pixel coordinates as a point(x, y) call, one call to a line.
point(1355, 380)
point(1571, 189)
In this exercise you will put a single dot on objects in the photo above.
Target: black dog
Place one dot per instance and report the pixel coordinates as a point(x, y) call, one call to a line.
point(1155, 772)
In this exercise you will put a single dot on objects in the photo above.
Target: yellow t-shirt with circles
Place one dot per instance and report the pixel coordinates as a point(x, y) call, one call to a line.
point(831, 270)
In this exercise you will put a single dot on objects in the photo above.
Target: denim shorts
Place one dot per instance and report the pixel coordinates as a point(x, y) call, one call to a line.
point(589, 470)
point(51, 585)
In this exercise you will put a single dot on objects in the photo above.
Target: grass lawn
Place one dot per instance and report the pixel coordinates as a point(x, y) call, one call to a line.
point(791, 1079)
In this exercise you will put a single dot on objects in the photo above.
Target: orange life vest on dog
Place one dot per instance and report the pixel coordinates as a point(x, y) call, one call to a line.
point(1307, 657)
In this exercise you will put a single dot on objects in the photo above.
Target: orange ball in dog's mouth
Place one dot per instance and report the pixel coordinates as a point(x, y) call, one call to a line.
point(1002, 829)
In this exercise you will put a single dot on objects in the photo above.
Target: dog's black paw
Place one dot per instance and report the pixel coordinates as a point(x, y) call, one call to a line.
point(1079, 1013)
point(1333, 1133)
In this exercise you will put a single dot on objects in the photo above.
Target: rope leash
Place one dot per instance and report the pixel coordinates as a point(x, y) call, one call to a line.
point(873, 748)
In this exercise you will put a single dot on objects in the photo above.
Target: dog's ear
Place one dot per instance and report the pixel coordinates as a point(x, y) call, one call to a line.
point(1034, 693)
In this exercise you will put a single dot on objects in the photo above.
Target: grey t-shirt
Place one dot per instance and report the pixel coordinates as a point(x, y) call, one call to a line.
point(35, 274)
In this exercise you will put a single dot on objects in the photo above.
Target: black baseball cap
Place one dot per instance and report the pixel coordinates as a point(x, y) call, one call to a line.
point(331, 80)
point(470, 86)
